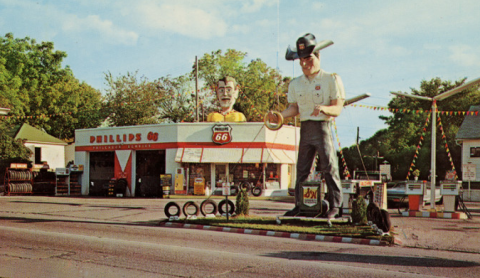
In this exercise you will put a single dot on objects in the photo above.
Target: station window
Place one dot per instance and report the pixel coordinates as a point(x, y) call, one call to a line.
point(475, 152)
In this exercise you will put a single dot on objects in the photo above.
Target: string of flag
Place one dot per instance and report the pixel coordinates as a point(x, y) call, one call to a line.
point(416, 111)
point(346, 173)
point(419, 146)
point(375, 108)
point(440, 127)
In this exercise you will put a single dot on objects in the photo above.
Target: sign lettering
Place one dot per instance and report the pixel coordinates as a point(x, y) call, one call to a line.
point(122, 138)
point(310, 195)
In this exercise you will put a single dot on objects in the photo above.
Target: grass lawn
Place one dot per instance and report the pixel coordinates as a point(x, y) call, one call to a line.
point(302, 226)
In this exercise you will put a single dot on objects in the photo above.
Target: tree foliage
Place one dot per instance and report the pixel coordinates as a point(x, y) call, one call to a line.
point(133, 100)
point(409, 130)
point(41, 92)
point(11, 150)
point(178, 103)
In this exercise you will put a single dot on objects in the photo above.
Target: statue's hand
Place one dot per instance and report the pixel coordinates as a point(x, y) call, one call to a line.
point(316, 110)
point(273, 120)
point(272, 117)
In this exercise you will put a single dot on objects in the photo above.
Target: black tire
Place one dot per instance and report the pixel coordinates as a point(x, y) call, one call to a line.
point(170, 205)
point(191, 204)
point(246, 186)
point(257, 191)
point(208, 202)
point(231, 207)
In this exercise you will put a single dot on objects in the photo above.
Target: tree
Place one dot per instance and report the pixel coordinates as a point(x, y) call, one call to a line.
point(131, 100)
point(408, 136)
point(177, 104)
point(11, 151)
point(42, 93)
point(261, 87)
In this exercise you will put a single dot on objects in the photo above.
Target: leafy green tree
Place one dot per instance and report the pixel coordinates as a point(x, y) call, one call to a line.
point(409, 131)
point(11, 151)
point(261, 87)
point(177, 104)
point(131, 100)
point(41, 92)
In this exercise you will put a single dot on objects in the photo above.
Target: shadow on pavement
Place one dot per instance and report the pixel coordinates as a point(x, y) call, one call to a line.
point(373, 259)
point(78, 204)
point(150, 223)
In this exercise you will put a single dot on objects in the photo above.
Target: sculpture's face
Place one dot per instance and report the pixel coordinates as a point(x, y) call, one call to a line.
point(227, 94)
point(310, 65)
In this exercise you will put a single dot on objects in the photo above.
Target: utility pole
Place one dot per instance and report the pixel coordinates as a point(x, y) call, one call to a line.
point(196, 90)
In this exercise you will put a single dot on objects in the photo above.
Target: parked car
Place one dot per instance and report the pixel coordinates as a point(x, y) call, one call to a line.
point(396, 193)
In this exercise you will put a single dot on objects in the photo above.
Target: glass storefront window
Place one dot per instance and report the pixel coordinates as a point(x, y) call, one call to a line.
point(199, 170)
point(248, 172)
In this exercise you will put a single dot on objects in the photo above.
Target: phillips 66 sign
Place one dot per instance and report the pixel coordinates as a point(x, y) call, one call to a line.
point(222, 134)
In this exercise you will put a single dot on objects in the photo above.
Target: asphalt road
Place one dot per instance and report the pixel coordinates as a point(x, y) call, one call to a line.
point(87, 237)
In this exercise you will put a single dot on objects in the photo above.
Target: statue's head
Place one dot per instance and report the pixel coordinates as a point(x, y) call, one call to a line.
point(227, 92)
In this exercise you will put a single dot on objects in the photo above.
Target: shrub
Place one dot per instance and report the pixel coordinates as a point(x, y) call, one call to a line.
point(242, 205)
point(359, 211)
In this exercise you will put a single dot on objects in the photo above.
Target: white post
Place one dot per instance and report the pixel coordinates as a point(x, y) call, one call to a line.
point(433, 155)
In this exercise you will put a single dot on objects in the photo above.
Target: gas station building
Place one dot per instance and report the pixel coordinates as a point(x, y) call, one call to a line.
point(214, 152)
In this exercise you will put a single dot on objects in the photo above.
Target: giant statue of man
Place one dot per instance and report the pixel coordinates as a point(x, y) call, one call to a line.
point(318, 97)
point(227, 94)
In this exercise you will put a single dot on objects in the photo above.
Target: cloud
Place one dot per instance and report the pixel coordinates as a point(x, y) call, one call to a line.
point(464, 55)
point(318, 5)
point(243, 29)
point(181, 18)
point(104, 28)
point(256, 5)
point(265, 23)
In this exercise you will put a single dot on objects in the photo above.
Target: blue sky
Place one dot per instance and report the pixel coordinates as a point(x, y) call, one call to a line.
point(380, 46)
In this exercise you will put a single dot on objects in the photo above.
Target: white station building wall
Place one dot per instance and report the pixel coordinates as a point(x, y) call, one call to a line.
point(192, 143)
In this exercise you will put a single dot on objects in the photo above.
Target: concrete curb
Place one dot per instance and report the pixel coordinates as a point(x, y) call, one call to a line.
point(427, 214)
point(279, 234)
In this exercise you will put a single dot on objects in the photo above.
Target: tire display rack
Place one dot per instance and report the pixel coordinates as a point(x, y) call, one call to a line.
point(75, 187)
point(67, 182)
point(18, 181)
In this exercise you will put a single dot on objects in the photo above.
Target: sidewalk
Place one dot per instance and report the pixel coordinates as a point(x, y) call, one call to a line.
point(436, 233)
point(429, 233)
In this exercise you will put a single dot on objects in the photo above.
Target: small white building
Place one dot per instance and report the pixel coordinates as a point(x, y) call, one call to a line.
point(44, 147)
point(468, 136)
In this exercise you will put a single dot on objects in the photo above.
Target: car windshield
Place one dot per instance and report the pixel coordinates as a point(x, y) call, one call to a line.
point(400, 185)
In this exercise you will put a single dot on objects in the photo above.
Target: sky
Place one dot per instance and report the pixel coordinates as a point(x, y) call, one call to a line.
point(379, 46)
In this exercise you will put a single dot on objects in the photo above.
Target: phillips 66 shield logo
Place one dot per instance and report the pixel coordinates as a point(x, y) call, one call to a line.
point(222, 134)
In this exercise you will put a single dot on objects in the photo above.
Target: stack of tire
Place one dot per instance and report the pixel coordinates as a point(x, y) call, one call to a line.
point(22, 187)
point(207, 207)
point(249, 187)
